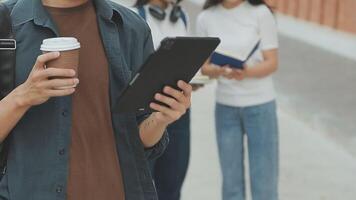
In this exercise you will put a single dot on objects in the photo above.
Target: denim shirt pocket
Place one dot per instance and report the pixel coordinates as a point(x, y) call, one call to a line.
point(122, 70)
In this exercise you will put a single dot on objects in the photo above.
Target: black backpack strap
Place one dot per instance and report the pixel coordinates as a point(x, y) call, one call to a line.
point(7, 53)
point(7, 70)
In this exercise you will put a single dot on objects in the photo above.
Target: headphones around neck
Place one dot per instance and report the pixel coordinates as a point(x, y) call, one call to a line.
point(160, 14)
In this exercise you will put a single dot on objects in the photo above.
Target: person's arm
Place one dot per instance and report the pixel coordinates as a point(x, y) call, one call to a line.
point(260, 70)
point(36, 90)
point(265, 68)
point(269, 45)
point(153, 128)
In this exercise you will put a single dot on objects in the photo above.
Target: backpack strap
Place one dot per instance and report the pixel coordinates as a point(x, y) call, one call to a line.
point(184, 18)
point(142, 12)
point(7, 52)
point(7, 71)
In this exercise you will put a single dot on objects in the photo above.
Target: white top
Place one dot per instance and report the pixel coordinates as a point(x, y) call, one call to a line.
point(240, 29)
point(165, 28)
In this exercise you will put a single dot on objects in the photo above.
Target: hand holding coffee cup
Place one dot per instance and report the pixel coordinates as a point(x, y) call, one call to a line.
point(39, 87)
point(68, 48)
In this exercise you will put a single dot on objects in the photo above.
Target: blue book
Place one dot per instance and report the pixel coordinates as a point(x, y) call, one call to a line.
point(222, 59)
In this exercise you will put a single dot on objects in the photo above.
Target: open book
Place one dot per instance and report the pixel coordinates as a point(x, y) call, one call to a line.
point(222, 58)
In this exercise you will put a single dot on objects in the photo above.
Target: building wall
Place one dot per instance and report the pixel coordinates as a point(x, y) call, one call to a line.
point(337, 14)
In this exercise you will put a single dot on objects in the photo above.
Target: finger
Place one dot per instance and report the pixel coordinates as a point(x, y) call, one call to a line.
point(187, 88)
point(228, 76)
point(60, 93)
point(172, 103)
point(42, 59)
point(165, 111)
point(54, 72)
point(56, 83)
point(239, 71)
point(224, 68)
point(227, 70)
point(227, 67)
point(178, 95)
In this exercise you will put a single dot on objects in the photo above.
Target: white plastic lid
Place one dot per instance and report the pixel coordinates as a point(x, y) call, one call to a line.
point(60, 44)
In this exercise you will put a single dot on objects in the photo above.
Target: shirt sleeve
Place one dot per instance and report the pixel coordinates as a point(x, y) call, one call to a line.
point(157, 150)
point(267, 29)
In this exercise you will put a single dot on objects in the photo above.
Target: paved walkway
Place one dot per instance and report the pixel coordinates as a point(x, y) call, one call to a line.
point(319, 88)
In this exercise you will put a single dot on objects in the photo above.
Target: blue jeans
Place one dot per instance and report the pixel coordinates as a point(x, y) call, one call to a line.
point(259, 123)
point(170, 169)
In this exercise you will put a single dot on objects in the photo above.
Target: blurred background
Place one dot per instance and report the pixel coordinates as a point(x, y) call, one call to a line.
point(316, 85)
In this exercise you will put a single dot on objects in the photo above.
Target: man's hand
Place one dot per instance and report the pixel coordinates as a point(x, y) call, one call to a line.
point(177, 103)
point(38, 88)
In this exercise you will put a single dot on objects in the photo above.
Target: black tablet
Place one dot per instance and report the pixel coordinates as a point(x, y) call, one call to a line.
point(177, 59)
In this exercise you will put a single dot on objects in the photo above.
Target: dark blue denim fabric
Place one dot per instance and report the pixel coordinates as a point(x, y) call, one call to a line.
point(170, 169)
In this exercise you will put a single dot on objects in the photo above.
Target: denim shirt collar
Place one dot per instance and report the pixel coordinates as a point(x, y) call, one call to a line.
point(26, 10)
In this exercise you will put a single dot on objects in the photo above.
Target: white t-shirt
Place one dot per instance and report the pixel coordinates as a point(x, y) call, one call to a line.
point(240, 29)
point(165, 28)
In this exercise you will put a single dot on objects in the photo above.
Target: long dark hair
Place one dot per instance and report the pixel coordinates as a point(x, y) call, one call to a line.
point(211, 3)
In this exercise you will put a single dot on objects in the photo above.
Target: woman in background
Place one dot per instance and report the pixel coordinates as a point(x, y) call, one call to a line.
point(167, 19)
point(245, 97)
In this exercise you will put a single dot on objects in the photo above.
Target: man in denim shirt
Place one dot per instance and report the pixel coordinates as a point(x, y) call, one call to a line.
point(39, 122)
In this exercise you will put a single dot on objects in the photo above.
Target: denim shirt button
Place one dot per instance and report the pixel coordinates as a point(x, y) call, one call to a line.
point(65, 113)
point(61, 152)
point(59, 189)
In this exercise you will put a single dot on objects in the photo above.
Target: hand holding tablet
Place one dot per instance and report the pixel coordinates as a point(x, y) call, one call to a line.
point(177, 59)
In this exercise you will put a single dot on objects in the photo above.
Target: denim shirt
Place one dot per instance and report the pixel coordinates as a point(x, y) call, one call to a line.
point(37, 166)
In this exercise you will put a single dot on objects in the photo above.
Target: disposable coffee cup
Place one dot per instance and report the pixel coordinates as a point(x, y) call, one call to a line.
point(69, 54)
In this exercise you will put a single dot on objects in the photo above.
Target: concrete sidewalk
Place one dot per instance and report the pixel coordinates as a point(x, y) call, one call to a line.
point(318, 87)
point(312, 166)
